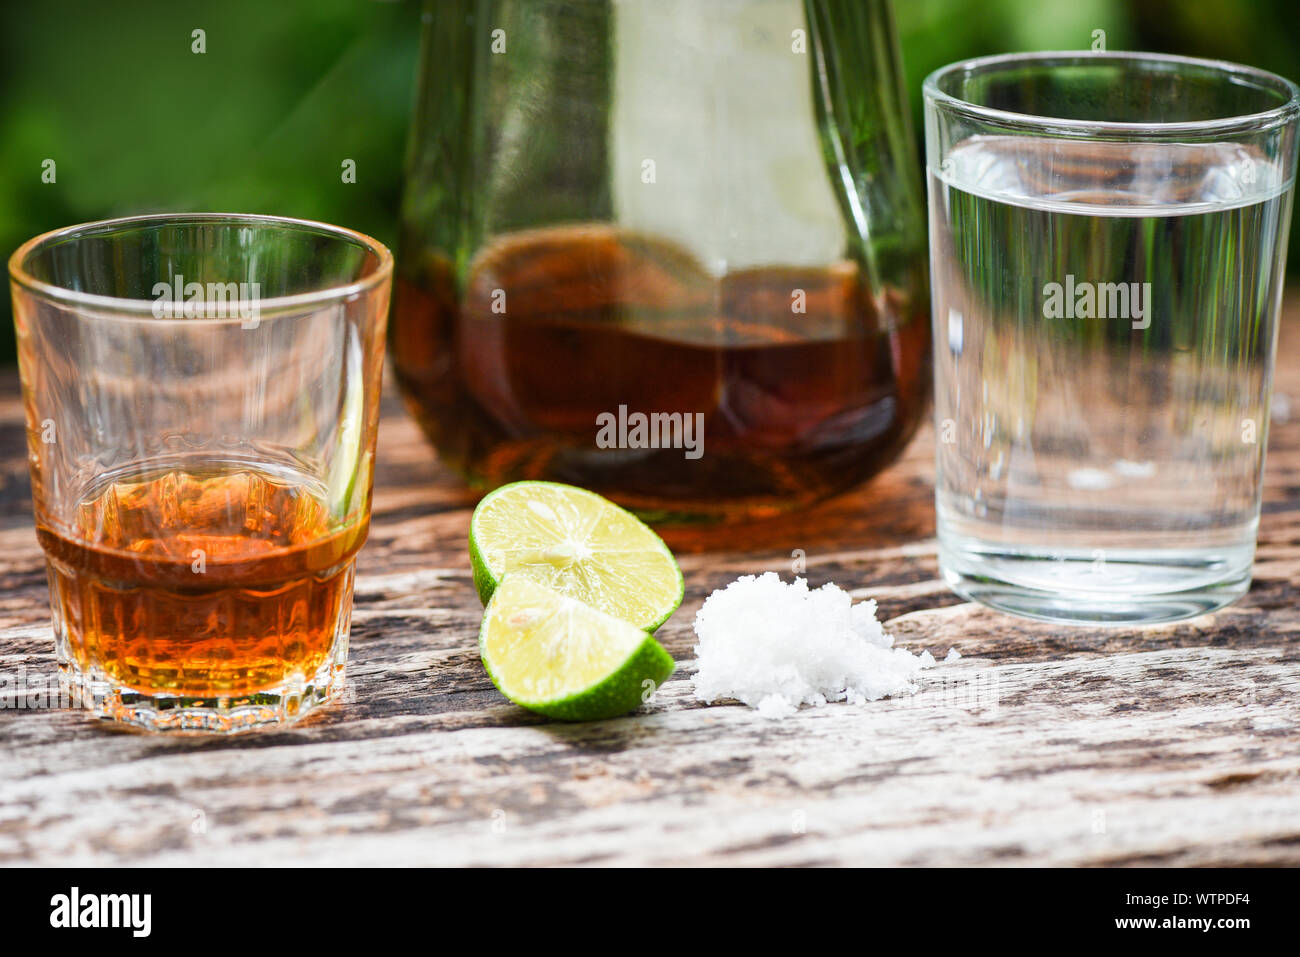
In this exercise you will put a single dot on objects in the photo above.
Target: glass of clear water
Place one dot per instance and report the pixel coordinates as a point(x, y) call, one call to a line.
point(1108, 241)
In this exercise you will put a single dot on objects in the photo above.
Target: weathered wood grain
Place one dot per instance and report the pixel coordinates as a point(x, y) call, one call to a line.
point(1041, 745)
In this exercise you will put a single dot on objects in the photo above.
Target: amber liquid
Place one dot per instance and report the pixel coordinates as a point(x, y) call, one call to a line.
point(207, 581)
point(801, 399)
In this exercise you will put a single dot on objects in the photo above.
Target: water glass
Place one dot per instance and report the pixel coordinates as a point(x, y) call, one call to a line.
point(1107, 240)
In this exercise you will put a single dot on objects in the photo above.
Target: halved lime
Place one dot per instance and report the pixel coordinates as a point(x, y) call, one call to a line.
point(557, 656)
point(578, 544)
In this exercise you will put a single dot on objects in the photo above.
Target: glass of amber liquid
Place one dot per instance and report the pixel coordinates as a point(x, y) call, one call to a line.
point(202, 396)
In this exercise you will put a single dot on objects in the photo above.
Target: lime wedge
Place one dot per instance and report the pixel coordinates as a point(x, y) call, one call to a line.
point(559, 657)
point(578, 544)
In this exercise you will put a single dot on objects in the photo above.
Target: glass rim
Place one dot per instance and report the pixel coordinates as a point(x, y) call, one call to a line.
point(142, 310)
point(1258, 121)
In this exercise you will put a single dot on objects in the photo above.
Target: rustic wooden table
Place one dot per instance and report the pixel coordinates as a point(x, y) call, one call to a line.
point(1041, 745)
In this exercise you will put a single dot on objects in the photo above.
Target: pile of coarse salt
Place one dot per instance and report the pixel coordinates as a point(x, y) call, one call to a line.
point(776, 646)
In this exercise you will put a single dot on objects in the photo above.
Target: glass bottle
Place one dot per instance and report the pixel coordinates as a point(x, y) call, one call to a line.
point(670, 251)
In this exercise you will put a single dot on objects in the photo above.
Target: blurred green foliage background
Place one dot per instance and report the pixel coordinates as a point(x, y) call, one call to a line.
point(289, 89)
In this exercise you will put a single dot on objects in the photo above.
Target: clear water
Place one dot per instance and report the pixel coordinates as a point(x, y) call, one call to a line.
point(1101, 462)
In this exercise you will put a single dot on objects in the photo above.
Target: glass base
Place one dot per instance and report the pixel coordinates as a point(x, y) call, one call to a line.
point(281, 705)
point(1145, 588)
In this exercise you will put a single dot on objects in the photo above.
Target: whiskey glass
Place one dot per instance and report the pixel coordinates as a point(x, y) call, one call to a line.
point(201, 394)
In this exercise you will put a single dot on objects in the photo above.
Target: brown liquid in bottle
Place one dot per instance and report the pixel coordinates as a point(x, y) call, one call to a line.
point(806, 381)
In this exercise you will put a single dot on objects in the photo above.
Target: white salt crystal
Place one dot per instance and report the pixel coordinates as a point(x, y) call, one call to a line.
point(776, 646)
point(953, 654)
